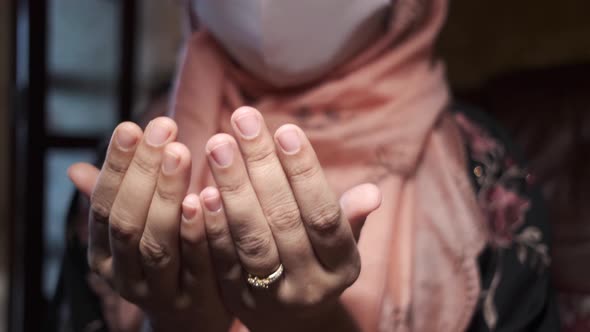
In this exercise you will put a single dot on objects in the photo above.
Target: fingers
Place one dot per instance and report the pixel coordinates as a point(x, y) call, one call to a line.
point(327, 228)
point(357, 203)
point(272, 188)
point(224, 256)
point(195, 254)
point(252, 236)
point(159, 245)
point(118, 158)
point(131, 206)
point(198, 277)
point(84, 176)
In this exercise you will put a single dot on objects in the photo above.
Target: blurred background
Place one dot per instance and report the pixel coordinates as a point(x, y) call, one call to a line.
point(70, 70)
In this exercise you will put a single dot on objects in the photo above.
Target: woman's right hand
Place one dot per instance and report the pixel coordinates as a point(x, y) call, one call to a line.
point(146, 237)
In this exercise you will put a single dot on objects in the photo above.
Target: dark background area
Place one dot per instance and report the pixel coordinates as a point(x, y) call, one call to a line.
point(484, 39)
point(71, 69)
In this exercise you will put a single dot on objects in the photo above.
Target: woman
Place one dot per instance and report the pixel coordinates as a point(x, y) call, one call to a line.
point(273, 241)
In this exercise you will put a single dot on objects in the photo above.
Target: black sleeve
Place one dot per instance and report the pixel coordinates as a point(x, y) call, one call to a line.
point(517, 294)
point(524, 299)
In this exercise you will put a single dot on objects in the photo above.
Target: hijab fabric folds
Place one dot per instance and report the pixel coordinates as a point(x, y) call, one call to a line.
point(380, 118)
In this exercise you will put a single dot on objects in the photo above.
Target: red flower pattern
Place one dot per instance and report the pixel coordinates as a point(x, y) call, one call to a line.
point(479, 141)
point(506, 211)
point(501, 185)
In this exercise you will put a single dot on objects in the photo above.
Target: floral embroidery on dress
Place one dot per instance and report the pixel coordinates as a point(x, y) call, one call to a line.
point(501, 185)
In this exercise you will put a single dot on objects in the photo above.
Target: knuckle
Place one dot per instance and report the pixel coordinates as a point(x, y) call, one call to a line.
point(122, 229)
point(261, 156)
point(168, 195)
point(284, 217)
point(232, 188)
point(115, 167)
point(145, 166)
point(217, 232)
point(325, 220)
point(154, 254)
point(254, 245)
point(303, 172)
point(100, 211)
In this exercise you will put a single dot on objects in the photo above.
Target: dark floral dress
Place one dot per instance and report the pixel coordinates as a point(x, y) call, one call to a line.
point(516, 292)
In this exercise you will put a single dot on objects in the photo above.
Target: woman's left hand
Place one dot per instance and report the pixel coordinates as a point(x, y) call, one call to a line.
point(273, 207)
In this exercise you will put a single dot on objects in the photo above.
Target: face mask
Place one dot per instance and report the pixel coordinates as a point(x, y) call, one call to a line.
point(292, 42)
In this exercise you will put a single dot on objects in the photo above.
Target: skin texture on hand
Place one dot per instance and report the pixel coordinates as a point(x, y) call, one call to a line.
point(138, 233)
point(272, 205)
point(170, 253)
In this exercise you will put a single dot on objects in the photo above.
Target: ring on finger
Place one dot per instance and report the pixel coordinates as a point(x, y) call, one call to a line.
point(265, 282)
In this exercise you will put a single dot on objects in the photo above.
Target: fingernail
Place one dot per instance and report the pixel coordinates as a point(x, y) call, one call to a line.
point(170, 162)
point(157, 134)
point(223, 154)
point(248, 123)
point(125, 140)
point(289, 140)
point(190, 206)
point(211, 199)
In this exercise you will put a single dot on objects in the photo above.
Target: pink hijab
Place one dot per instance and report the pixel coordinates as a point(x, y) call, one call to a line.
point(380, 118)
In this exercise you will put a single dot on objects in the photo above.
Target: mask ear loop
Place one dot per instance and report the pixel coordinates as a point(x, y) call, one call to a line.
point(193, 19)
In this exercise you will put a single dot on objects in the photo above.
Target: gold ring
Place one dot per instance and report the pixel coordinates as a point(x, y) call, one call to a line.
point(264, 282)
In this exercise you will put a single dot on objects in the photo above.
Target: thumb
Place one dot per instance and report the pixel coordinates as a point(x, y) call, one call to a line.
point(357, 203)
point(84, 177)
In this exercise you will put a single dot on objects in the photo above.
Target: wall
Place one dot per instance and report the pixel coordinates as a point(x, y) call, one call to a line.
point(486, 37)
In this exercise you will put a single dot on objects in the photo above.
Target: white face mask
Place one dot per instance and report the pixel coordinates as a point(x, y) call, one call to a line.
point(291, 42)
